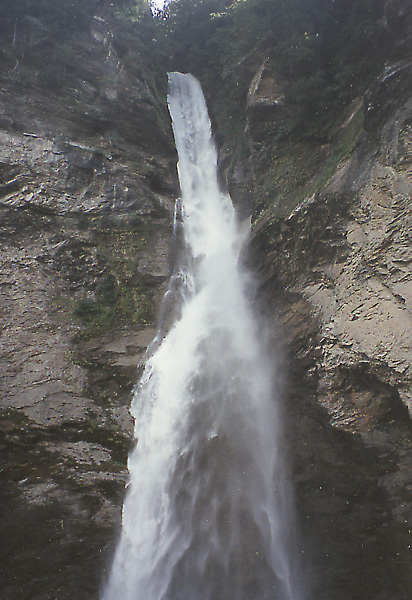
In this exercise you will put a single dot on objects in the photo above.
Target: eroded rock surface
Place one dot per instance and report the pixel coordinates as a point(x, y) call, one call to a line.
point(86, 215)
point(337, 265)
point(86, 202)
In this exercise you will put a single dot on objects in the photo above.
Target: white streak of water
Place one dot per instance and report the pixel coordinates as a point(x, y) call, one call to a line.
point(206, 515)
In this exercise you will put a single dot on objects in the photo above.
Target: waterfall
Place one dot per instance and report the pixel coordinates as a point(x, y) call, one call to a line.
point(207, 509)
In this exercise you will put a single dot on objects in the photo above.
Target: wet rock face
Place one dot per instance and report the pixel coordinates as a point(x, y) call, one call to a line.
point(337, 268)
point(85, 250)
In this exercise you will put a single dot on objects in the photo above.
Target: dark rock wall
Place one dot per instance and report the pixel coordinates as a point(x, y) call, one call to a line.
point(331, 242)
point(86, 210)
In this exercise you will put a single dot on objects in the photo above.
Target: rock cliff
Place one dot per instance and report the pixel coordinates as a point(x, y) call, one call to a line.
point(86, 214)
point(87, 187)
point(333, 252)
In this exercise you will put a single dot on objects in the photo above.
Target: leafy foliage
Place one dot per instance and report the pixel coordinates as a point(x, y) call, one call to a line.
point(323, 52)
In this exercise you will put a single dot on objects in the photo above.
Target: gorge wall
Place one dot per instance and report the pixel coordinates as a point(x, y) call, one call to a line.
point(334, 261)
point(333, 251)
point(86, 211)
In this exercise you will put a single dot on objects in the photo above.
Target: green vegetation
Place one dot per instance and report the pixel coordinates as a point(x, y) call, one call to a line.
point(47, 35)
point(323, 53)
point(113, 304)
point(320, 55)
point(116, 299)
point(27, 23)
point(295, 169)
point(344, 144)
point(120, 295)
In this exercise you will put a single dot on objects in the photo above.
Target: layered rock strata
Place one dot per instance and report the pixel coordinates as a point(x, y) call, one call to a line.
point(334, 257)
point(86, 213)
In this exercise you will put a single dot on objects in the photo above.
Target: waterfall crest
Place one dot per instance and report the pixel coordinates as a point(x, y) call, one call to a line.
point(206, 510)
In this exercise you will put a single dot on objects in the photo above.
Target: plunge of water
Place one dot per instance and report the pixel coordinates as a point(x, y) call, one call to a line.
point(206, 514)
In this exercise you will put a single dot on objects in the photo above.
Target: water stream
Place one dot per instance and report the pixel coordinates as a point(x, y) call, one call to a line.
point(207, 510)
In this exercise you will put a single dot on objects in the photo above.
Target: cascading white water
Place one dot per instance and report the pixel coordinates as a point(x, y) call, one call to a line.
point(206, 515)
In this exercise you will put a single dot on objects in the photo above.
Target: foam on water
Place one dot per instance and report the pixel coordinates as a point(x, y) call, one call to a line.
point(207, 514)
